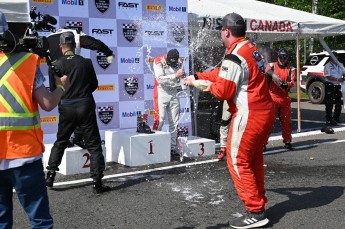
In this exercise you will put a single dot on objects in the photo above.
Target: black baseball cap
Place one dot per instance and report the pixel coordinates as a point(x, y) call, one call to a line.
point(172, 57)
point(233, 20)
point(67, 38)
point(283, 53)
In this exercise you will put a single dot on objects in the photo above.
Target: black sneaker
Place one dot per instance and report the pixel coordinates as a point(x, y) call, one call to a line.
point(98, 187)
point(250, 220)
point(288, 146)
point(50, 178)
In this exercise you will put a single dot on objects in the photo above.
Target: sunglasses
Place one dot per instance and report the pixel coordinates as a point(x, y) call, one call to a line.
point(283, 57)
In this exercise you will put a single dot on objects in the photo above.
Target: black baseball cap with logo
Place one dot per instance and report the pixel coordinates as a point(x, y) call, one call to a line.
point(233, 20)
point(67, 38)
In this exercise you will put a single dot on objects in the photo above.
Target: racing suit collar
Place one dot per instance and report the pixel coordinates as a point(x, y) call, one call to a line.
point(234, 43)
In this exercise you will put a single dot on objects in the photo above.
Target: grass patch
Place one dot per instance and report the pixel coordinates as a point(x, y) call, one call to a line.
point(293, 95)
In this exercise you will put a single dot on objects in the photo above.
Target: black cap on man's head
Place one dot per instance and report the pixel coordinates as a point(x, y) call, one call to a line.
point(172, 57)
point(283, 54)
point(67, 38)
point(233, 20)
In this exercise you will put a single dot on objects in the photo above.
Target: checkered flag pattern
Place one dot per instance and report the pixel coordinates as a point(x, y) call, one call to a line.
point(134, 31)
point(129, 26)
point(105, 108)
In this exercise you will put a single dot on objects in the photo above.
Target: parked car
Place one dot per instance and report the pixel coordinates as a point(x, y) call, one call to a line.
point(312, 75)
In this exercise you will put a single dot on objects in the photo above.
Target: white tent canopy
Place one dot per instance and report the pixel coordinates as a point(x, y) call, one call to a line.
point(15, 10)
point(265, 22)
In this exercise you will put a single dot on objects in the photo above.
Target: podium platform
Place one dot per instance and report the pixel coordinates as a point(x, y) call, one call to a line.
point(193, 146)
point(75, 160)
point(130, 148)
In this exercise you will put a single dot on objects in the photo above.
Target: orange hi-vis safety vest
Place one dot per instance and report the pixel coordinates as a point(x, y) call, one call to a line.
point(20, 127)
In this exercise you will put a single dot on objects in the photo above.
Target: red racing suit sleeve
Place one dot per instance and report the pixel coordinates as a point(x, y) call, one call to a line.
point(210, 75)
point(230, 74)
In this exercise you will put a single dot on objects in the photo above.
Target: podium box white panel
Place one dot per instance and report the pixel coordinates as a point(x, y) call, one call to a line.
point(130, 148)
point(193, 146)
point(74, 161)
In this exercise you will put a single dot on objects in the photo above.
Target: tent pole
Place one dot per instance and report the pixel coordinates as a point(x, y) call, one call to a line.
point(298, 81)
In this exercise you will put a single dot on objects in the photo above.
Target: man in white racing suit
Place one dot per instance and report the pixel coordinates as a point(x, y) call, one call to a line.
point(168, 71)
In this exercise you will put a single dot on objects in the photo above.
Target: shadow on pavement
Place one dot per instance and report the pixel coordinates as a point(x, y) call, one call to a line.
point(315, 197)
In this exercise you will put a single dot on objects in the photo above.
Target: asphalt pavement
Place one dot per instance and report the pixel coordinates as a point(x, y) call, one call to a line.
point(305, 188)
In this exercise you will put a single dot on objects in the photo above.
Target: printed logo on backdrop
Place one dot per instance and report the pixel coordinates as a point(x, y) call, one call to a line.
point(102, 5)
point(73, 2)
point(102, 60)
point(129, 31)
point(154, 7)
point(154, 33)
point(77, 25)
point(105, 114)
point(178, 33)
point(178, 8)
point(49, 119)
point(130, 60)
point(128, 5)
point(182, 131)
point(184, 110)
point(102, 31)
point(106, 87)
point(43, 1)
point(131, 85)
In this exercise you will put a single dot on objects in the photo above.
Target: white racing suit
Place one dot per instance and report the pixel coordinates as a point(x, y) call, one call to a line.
point(224, 125)
point(166, 100)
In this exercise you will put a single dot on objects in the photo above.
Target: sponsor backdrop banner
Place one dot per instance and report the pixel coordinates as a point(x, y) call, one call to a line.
point(136, 31)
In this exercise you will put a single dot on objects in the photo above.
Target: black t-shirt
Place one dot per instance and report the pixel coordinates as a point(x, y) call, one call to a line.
point(81, 74)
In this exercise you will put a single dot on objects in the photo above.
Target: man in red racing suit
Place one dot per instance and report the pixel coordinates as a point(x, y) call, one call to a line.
point(279, 90)
point(242, 83)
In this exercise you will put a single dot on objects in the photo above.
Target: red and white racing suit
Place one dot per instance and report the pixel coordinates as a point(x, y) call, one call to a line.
point(166, 100)
point(281, 97)
point(240, 82)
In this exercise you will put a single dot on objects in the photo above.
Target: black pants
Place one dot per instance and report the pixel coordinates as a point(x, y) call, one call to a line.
point(333, 99)
point(83, 116)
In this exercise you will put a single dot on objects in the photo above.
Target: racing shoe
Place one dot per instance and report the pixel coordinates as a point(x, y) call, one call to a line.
point(98, 187)
point(288, 146)
point(327, 129)
point(145, 129)
point(222, 153)
point(50, 178)
point(250, 220)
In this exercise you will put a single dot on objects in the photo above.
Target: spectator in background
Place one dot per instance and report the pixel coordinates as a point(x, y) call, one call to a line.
point(333, 73)
point(279, 84)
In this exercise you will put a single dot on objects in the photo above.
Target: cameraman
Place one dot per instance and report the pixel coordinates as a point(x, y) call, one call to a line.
point(21, 136)
point(77, 109)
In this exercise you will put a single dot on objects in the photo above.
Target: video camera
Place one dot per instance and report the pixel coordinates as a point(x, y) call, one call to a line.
point(23, 37)
point(15, 40)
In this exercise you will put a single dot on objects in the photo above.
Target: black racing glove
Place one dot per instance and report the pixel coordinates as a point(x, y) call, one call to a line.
point(284, 85)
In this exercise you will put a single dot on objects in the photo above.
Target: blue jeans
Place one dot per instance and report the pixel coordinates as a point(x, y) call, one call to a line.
point(29, 182)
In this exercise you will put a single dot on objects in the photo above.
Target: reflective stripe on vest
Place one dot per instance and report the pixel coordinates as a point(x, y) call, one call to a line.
point(19, 116)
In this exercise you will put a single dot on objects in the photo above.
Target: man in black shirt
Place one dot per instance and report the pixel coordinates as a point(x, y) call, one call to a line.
point(77, 109)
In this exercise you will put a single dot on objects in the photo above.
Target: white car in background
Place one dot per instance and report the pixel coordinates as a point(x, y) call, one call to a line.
point(312, 75)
